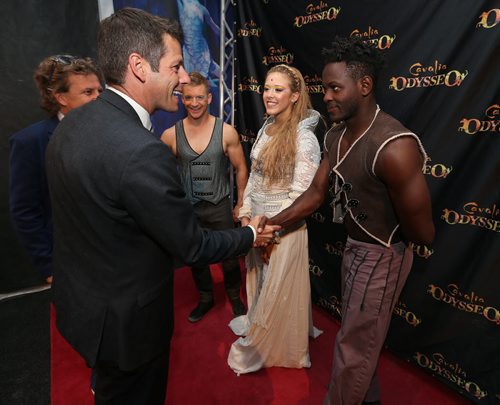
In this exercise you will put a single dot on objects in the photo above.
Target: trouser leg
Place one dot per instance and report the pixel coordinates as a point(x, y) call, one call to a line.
point(146, 384)
point(203, 280)
point(373, 280)
point(232, 278)
point(218, 217)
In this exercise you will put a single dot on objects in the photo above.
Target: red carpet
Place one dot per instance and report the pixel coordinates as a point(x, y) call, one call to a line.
point(199, 373)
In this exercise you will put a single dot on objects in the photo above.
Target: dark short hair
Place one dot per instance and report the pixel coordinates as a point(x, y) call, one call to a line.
point(52, 76)
point(131, 30)
point(360, 57)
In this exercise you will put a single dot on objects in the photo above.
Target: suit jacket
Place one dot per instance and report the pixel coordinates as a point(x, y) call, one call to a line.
point(120, 217)
point(29, 199)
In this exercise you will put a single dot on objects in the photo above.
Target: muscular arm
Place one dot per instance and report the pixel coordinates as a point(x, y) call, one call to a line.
point(309, 201)
point(235, 154)
point(168, 137)
point(399, 166)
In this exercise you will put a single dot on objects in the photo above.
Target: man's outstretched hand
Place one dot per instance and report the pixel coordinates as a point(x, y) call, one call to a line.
point(263, 222)
point(265, 230)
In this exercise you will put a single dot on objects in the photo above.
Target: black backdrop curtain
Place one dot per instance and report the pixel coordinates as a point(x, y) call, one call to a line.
point(441, 81)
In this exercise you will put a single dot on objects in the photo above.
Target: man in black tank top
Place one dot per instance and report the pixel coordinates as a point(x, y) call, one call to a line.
point(204, 146)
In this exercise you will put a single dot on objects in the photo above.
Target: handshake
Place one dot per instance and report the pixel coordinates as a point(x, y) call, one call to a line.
point(267, 232)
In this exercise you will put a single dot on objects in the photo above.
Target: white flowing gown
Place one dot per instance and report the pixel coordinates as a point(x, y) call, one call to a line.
point(275, 330)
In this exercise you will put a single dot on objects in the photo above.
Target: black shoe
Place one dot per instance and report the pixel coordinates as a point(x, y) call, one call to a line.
point(200, 311)
point(238, 307)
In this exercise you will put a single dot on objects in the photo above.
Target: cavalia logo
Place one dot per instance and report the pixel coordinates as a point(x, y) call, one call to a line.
point(421, 250)
point(491, 123)
point(373, 37)
point(250, 83)
point(489, 19)
point(451, 371)
point(336, 248)
point(409, 317)
point(437, 170)
point(248, 136)
point(475, 215)
point(316, 12)
point(314, 84)
point(315, 269)
point(464, 301)
point(332, 304)
point(250, 29)
point(277, 55)
point(421, 75)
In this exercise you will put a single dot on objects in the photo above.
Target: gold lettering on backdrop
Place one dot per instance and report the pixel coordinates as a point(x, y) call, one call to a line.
point(489, 19)
point(474, 215)
point(380, 41)
point(311, 8)
point(247, 136)
point(401, 310)
point(314, 84)
point(472, 126)
point(466, 302)
point(250, 84)
point(421, 250)
point(278, 55)
point(449, 371)
point(427, 76)
point(250, 29)
point(417, 68)
point(437, 170)
point(332, 304)
point(316, 13)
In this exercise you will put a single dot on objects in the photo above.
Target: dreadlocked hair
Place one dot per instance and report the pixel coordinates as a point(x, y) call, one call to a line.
point(277, 158)
point(360, 57)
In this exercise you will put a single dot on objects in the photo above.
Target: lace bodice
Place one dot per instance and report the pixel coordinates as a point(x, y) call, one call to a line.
point(262, 200)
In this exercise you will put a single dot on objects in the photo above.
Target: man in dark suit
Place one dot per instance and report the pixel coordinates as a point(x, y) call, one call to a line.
point(65, 82)
point(121, 215)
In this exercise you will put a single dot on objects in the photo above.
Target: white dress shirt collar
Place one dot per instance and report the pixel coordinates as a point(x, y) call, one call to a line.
point(139, 109)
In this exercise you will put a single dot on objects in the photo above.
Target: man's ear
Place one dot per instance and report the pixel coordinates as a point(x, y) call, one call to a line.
point(61, 99)
point(209, 98)
point(138, 66)
point(366, 85)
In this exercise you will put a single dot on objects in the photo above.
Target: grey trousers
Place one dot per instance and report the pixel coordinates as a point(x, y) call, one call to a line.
point(372, 279)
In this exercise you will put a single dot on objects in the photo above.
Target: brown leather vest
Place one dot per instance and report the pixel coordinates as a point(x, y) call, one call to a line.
point(366, 199)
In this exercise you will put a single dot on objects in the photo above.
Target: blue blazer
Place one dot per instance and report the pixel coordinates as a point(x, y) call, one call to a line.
point(29, 200)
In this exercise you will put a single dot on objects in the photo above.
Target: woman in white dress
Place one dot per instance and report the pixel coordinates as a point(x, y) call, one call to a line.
point(285, 157)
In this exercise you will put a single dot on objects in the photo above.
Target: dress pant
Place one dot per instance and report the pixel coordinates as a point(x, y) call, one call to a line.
point(146, 384)
point(372, 279)
point(217, 217)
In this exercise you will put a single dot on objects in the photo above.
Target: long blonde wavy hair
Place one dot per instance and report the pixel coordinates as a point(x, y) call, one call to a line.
point(277, 157)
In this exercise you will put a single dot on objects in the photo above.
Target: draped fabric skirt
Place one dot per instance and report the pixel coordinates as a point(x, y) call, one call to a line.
point(279, 320)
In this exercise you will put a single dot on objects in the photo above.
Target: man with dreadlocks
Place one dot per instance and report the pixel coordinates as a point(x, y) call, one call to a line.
point(381, 197)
